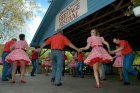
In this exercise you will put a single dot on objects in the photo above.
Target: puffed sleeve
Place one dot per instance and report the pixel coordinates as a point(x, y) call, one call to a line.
point(26, 44)
point(89, 40)
point(102, 39)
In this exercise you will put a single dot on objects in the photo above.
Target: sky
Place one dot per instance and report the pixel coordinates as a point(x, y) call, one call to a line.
point(33, 24)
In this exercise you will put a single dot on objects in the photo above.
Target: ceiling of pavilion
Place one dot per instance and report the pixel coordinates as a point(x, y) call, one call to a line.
point(111, 21)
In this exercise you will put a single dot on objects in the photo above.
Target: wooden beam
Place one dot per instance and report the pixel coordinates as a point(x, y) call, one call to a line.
point(119, 4)
point(130, 30)
point(126, 26)
point(95, 15)
point(108, 35)
point(127, 20)
point(100, 25)
point(93, 20)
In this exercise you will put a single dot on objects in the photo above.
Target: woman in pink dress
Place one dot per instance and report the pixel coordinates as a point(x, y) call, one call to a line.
point(19, 56)
point(97, 55)
point(47, 63)
point(118, 62)
point(73, 63)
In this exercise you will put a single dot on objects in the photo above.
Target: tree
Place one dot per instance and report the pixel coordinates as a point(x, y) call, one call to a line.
point(49, 1)
point(13, 16)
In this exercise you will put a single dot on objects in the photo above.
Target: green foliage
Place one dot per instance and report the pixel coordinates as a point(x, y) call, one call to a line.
point(129, 11)
point(135, 3)
point(13, 15)
point(44, 53)
point(136, 61)
point(1, 48)
point(69, 57)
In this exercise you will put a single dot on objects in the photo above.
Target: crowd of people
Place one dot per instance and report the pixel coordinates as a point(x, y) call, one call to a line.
point(14, 55)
